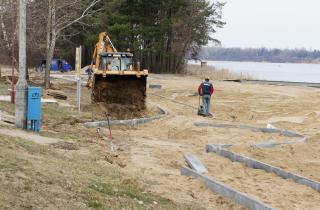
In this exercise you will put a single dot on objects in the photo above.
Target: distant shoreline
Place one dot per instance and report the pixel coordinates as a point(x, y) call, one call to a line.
point(260, 55)
point(289, 72)
point(251, 61)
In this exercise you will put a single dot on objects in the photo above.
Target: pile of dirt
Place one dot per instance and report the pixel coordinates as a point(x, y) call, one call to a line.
point(123, 90)
point(121, 97)
point(118, 112)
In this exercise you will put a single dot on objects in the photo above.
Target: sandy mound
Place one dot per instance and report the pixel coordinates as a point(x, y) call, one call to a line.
point(119, 112)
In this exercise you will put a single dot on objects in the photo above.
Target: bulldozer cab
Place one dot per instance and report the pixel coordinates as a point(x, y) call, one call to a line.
point(114, 61)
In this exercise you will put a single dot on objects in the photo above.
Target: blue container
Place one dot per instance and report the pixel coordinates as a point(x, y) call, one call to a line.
point(60, 65)
point(54, 65)
point(34, 109)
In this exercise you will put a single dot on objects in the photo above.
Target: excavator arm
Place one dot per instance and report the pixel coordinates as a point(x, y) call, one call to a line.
point(104, 45)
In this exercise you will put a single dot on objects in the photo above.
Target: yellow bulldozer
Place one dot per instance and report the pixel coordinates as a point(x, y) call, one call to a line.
point(116, 80)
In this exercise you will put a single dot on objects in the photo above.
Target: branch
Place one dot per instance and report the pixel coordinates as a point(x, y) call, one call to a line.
point(84, 14)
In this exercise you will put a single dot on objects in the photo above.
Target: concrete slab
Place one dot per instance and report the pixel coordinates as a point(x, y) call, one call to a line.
point(29, 136)
point(132, 122)
point(61, 104)
point(275, 144)
point(5, 98)
point(268, 129)
point(227, 191)
point(69, 77)
point(43, 100)
point(215, 125)
point(48, 101)
point(252, 163)
point(195, 164)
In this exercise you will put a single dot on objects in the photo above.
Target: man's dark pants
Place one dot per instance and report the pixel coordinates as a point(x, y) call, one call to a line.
point(206, 104)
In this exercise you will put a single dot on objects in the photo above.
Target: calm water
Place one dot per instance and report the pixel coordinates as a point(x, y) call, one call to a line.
point(273, 71)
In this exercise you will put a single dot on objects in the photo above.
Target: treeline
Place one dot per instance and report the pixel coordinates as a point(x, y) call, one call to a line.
point(161, 33)
point(261, 55)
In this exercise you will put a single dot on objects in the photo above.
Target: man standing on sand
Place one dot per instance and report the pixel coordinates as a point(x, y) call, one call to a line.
point(206, 90)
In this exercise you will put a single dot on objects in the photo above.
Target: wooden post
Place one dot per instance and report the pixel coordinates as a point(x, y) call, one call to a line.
point(78, 77)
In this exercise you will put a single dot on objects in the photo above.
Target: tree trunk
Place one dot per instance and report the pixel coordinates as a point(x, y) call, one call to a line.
point(4, 33)
point(51, 40)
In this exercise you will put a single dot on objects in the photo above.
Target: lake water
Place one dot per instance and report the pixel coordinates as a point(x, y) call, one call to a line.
point(273, 71)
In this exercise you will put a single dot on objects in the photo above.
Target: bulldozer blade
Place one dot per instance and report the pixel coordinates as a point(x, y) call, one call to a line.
point(120, 89)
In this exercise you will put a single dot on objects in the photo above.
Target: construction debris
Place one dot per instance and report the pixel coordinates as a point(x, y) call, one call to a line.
point(252, 163)
point(155, 86)
point(57, 94)
point(195, 164)
point(228, 192)
point(5, 117)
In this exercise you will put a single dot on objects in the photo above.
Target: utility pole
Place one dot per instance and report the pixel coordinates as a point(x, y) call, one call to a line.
point(21, 88)
point(13, 46)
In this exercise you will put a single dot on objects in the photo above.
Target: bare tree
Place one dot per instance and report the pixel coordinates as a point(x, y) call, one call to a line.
point(36, 17)
point(5, 28)
point(63, 14)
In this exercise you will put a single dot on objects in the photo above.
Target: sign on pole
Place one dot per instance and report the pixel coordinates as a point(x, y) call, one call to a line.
point(78, 77)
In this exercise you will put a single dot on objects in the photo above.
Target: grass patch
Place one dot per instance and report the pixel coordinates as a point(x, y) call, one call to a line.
point(7, 107)
point(132, 192)
point(60, 135)
point(54, 112)
point(8, 164)
point(4, 89)
point(103, 188)
point(37, 176)
point(94, 204)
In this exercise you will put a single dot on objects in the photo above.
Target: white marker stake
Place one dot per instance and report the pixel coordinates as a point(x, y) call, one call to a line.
point(78, 77)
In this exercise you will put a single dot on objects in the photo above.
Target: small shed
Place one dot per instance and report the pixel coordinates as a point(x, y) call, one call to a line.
point(203, 63)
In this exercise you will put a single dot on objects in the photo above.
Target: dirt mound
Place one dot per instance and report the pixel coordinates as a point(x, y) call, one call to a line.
point(128, 91)
point(118, 112)
point(122, 97)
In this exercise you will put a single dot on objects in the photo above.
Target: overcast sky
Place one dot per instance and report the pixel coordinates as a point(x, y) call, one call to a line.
point(271, 23)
